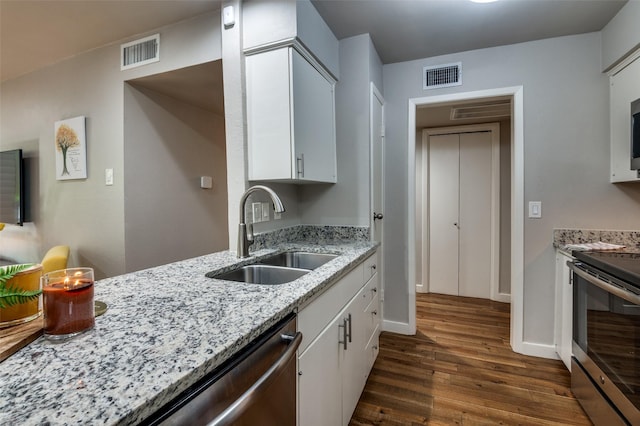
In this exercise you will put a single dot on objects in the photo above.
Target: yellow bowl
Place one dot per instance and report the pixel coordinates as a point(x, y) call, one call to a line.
point(28, 280)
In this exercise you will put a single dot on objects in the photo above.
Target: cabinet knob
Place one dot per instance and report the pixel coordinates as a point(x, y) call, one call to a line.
point(375, 290)
point(373, 267)
point(374, 312)
point(377, 216)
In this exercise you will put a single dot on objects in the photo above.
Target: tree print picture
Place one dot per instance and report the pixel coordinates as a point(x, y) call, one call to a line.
point(71, 150)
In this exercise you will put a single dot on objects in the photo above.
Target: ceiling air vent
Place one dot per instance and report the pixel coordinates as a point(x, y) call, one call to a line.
point(140, 52)
point(438, 76)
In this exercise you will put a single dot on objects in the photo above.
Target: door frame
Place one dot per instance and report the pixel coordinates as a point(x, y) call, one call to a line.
point(374, 94)
point(517, 206)
point(494, 128)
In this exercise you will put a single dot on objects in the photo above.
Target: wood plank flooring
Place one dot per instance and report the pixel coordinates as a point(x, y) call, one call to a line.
point(460, 370)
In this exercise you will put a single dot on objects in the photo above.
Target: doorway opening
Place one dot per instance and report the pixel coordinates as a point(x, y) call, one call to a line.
point(175, 170)
point(515, 206)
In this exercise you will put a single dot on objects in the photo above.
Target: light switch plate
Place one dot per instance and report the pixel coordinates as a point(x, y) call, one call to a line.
point(108, 177)
point(535, 209)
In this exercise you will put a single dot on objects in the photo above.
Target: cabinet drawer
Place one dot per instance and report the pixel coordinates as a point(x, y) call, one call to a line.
point(372, 288)
point(371, 266)
point(372, 317)
point(372, 349)
point(314, 317)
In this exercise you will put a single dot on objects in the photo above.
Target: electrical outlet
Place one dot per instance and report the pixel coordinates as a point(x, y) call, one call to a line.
point(108, 177)
point(265, 212)
point(257, 212)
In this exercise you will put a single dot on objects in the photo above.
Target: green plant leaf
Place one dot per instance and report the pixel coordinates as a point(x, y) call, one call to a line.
point(10, 296)
point(8, 272)
point(13, 296)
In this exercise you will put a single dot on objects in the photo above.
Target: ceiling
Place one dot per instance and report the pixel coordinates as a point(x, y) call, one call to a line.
point(37, 33)
point(403, 30)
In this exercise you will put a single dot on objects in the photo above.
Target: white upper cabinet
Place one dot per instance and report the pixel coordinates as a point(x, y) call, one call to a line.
point(290, 118)
point(624, 88)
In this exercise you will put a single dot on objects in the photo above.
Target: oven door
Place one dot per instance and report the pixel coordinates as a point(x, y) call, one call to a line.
point(606, 336)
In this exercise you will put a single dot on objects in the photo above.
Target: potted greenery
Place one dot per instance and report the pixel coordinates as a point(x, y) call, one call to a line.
point(20, 292)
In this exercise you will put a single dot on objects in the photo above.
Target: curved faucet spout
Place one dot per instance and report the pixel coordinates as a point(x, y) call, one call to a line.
point(245, 233)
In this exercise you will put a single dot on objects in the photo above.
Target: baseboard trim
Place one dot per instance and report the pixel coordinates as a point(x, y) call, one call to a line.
point(539, 350)
point(397, 327)
point(503, 297)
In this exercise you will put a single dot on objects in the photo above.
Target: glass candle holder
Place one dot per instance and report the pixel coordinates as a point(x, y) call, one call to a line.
point(68, 302)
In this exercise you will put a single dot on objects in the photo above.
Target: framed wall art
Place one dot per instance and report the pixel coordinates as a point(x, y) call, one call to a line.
point(71, 149)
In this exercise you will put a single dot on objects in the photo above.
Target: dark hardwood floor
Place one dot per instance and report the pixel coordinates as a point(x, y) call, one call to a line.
point(460, 370)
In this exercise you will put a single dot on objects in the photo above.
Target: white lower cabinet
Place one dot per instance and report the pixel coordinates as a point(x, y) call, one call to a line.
point(334, 363)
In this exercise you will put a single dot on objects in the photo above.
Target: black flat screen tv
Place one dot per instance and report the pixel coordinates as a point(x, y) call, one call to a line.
point(12, 183)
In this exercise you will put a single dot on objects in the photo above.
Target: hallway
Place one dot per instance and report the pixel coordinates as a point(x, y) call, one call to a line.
point(459, 369)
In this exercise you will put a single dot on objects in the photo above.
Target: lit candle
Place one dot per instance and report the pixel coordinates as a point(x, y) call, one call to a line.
point(68, 302)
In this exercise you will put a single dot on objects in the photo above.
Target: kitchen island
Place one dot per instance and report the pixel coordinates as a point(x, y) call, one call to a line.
point(165, 328)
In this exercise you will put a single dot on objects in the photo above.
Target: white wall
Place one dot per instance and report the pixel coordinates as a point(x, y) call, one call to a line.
point(566, 153)
point(621, 35)
point(86, 214)
point(347, 201)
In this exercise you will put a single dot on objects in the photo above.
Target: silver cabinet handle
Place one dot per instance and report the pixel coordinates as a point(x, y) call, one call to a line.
point(349, 328)
point(343, 342)
point(377, 216)
point(240, 405)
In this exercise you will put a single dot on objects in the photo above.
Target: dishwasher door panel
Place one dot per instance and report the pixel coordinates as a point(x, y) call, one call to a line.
point(257, 386)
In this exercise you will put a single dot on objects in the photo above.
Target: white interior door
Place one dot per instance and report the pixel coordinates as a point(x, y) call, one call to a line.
point(462, 213)
point(474, 271)
point(444, 184)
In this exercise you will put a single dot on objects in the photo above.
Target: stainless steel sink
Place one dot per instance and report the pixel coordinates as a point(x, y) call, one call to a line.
point(299, 259)
point(262, 274)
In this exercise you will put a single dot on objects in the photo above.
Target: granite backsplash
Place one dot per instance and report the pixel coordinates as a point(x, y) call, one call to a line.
point(314, 234)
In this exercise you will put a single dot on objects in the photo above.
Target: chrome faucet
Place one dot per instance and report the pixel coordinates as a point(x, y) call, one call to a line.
point(245, 233)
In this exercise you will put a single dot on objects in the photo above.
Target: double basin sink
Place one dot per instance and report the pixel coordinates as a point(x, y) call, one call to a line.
point(280, 268)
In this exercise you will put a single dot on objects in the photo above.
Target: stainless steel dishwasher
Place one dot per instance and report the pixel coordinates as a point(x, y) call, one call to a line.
point(255, 387)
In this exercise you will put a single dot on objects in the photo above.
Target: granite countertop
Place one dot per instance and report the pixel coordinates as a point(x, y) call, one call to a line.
point(166, 327)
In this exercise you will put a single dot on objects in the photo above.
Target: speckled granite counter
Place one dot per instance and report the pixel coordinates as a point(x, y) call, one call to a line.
point(563, 237)
point(166, 327)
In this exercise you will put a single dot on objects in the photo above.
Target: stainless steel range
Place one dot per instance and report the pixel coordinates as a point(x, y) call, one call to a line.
point(605, 370)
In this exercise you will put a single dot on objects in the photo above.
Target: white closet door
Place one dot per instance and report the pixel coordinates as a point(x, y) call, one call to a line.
point(474, 279)
point(443, 213)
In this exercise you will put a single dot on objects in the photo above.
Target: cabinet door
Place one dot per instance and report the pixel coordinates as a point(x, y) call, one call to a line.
point(624, 88)
point(564, 309)
point(314, 123)
point(269, 115)
point(319, 381)
point(354, 365)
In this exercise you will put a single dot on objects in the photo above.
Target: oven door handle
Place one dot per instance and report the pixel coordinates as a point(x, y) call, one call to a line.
point(231, 414)
point(622, 293)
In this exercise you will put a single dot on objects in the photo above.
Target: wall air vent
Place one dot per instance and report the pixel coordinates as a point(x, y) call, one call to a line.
point(474, 112)
point(447, 75)
point(140, 52)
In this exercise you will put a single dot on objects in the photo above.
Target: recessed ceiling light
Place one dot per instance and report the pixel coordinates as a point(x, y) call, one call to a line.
point(483, 1)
